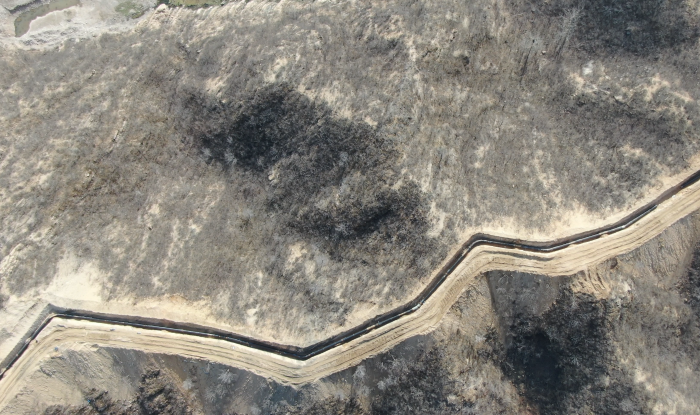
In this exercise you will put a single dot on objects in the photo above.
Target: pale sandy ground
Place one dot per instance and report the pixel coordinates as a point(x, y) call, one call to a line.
point(20, 313)
point(61, 334)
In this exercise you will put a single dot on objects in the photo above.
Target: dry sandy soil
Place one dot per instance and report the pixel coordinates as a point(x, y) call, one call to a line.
point(287, 170)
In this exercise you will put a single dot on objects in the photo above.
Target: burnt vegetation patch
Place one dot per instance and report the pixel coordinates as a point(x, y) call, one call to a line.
point(323, 407)
point(419, 387)
point(558, 353)
point(277, 122)
point(156, 394)
point(563, 358)
point(640, 27)
point(557, 346)
point(328, 178)
point(391, 212)
point(689, 287)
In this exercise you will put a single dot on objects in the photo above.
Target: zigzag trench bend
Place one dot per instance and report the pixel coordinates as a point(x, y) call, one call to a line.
point(305, 353)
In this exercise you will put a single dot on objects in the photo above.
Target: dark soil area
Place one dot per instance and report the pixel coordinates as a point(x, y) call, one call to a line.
point(642, 27)
point(689, 286)
point(310, 154)
point(557, 345)
point(561, 357)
